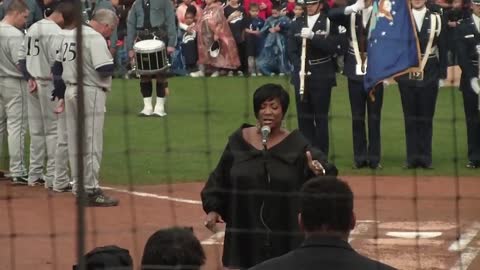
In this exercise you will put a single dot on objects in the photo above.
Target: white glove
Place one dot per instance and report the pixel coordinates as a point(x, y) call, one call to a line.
point(475, 86)
point(306, 33)
point(359, 5)
point(441, 83)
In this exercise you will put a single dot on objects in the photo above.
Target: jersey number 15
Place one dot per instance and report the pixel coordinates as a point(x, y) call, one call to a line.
point(33, 49)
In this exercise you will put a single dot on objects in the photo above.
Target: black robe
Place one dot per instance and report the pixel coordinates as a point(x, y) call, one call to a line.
point(260, 215)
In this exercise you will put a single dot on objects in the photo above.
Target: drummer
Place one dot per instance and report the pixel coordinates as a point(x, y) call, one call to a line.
point(150, 19)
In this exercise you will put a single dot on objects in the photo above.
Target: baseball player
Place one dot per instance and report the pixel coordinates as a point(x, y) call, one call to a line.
point(35, 11)
point(13, 89)
point(98, 69)
point(37, 55)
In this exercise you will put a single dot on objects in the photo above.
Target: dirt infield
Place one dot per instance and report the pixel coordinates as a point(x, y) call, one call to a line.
point(37, 228)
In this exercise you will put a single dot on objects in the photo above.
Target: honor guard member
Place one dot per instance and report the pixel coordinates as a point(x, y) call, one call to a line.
point(98, 69)
point(468, 51)
point(37, 56)
point(419, 90)
point(324, 39)
point(356, 19)
point(13, 89)
point(149, 19)
point(35, 12)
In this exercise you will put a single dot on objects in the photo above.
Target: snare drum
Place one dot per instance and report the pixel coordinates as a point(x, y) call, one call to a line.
point(151, 56)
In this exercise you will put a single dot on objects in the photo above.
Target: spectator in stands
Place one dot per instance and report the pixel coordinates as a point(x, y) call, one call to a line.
point(182, 8)
point(188, 43)
point(173, 249)
point(253, 186)
point(326, 217)
point(235, 15)
point(298, 12)
point(274, 58)
point(253, 39)
point(216, 46)
point(264, 6)
point(107, 258)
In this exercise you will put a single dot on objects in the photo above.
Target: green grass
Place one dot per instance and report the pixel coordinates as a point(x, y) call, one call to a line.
point(186, 145)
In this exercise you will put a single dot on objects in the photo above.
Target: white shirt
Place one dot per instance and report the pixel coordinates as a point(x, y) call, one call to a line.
point(476, 19)
point(419, 15)
point(366, 15)
point(42, 41)
point(95, 52)
point(311, 20)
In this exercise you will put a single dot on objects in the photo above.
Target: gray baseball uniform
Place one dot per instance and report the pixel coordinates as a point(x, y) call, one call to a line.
point(96, 54)
point(13, 105)
point(40, 49)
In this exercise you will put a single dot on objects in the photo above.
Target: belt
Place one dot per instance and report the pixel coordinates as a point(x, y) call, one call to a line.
point(350, 51)
point(432, 55)
point(101, 88)
point(42, 79)
point(319, 61)
point(151, 29)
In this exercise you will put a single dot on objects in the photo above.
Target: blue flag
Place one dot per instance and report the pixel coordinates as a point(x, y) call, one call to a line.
point(392, 42)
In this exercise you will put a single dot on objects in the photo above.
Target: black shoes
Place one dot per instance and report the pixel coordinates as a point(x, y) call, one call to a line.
point(67, 188)
point(20, 180)
point(366, 164)
point(473, 164)
point(38, 182)
point(98, 199)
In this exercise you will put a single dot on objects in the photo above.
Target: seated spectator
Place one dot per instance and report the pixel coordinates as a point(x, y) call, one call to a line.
point(274, 59)
point(107, 258)
point(326, 217)
point(174, 248)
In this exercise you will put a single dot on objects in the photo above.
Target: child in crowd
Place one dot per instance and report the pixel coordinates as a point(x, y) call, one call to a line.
point(297, 12)
point(273, 58)
point(253, 38)
point(235, 15)
point(189, 40)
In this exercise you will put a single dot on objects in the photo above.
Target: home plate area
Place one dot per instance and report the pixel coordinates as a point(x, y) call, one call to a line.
point(412, 245)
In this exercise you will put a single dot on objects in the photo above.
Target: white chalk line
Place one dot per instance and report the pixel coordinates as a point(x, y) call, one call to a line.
point(466, 258)
point(465, 238)
point(155, 196)
point(215, 239)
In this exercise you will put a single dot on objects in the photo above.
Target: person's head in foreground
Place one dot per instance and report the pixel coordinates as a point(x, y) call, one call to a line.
point(173, 248)
point(270, 104)
point(107, 258)
point(326, 217)
point(326, 208)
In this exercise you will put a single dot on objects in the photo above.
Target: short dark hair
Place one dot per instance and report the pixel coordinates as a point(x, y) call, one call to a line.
point(253, 6)
point(276, 7)
point(191, 10)
point(108, 257)
point(16, 6)
point(326, 202)
point(269, 92)
point(69, 13)
point(173, 248)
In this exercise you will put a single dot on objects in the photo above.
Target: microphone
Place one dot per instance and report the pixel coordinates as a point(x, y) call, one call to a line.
point(265, 132)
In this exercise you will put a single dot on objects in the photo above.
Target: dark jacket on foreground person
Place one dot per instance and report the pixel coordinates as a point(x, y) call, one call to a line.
point(323, 253)
point(238, 190)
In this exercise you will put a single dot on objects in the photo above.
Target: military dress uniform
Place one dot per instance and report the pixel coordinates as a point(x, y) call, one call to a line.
point(419, 90)
point(366, 151)
point(468, 40)
point(327, 40)
point(148, 19)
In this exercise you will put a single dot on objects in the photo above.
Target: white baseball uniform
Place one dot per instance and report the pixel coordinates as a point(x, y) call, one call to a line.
point(96, 54)
point(13, 105)
point(40, 48)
